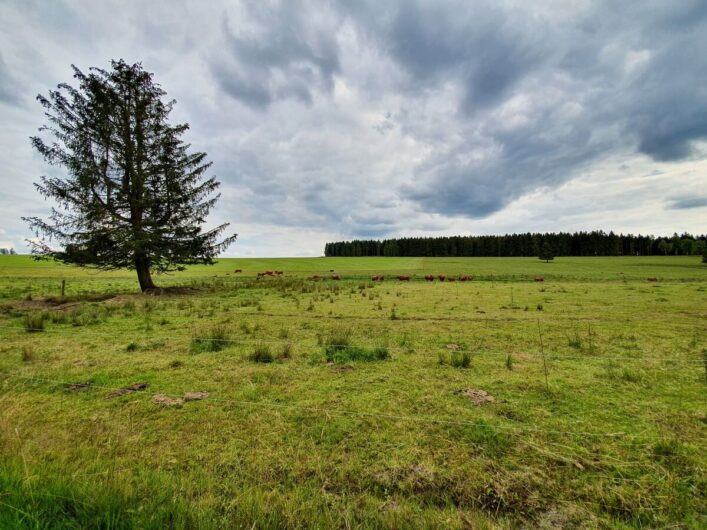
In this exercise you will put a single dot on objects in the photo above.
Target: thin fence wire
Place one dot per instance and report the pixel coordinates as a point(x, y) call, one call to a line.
point(634, 439)
point(37, 332)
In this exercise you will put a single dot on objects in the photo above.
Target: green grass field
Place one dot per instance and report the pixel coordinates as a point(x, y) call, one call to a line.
point(498, 403)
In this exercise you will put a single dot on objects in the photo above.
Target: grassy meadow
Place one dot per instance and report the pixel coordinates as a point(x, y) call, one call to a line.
point(501, 402)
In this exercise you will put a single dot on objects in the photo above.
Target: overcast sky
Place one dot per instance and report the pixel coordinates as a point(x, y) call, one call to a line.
point(352, 119)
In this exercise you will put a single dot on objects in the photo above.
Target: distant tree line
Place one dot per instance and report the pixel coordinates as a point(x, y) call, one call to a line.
point(7, 251)
point(596, 243)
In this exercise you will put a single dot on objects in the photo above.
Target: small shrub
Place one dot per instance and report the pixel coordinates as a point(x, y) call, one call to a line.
point(539, 307)
point(131, 347)
point(262, 354)
point(393, 315)
point(214, 340)
point(34, 322)
point(176, 364)
point(284, 333)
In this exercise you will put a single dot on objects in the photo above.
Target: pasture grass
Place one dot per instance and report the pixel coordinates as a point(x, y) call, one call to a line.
point(314, 437)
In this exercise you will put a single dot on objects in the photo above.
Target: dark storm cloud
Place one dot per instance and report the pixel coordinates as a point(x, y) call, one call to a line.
point(482, 48)
point(277, 54)
point(635, 72)
point(687, 203)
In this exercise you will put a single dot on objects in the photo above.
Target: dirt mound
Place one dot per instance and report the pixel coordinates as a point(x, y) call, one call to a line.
point(195, 396)
point(77, 387)
point(166, 401)
point(477, 396)
point(136, 387)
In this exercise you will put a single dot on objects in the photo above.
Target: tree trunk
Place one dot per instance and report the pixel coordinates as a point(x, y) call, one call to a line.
point(142, 266)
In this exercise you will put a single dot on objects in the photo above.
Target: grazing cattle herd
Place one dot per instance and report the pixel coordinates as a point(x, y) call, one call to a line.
point(379, 277)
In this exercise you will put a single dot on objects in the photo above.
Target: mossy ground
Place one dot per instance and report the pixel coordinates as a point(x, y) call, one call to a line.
point(604, 425)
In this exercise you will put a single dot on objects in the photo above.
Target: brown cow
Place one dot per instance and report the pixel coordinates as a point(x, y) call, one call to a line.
point(430, 278)
point(278, 273)
point(441, 277)
point(465, 278)
point(652, 279)
point(335, 277)
point(539, 279)
point(378, 278)
point(238, 270)
point(261, 274)
point(451, 279)
point(404, 278)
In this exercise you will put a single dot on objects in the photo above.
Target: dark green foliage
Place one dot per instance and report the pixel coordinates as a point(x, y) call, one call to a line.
point(460, 359)
point(547, 253)
point(596, 243)
point(133, 195)
point(262, 354)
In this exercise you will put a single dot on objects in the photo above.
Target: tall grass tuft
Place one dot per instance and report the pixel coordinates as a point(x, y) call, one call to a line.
point(286, 352)
point(34, 322)
point(460, 358)
point(214, 340)
point(262, 354)
point(27, 354)
point(338, 348)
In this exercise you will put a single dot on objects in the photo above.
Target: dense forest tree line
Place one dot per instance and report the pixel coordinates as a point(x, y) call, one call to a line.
point(597, 243)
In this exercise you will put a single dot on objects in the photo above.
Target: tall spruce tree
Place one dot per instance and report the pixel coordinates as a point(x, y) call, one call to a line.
point(132, 195)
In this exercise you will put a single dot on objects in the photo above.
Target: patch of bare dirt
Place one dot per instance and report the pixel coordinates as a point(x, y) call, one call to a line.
point(77, 387)
point(120, 299)
point(477, 396)
point(166, 401)
point(195, 396)
point(136, 387)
